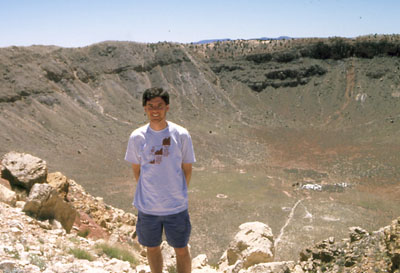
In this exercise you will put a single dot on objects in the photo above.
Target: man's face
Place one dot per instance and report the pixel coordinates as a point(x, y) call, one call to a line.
point(156, 109)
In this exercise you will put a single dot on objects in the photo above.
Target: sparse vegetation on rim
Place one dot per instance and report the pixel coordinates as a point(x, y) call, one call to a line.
point(81, 254)
point(118, 252)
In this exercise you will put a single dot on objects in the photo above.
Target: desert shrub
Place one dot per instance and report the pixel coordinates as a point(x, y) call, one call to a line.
point(295, 74)
point(366, 49)
point(258, 86)
point(285, 57)
point(320, 51)
point(81, 254)
point(84, 233)
point(117, 252)
point(259, 58)
point(223, 67)
point(74, 240)
point(314, 70)
point(389, 49)
point(13, 253)
point(341, 49)
point(376, 74)
point(36, 260)
point(282, 74)
point(171, 269)
point(370, 49)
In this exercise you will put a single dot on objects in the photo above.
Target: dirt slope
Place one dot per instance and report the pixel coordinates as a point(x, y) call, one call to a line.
point(284, 112)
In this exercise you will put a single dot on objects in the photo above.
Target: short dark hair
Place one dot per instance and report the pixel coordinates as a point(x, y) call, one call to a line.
point(155, 92)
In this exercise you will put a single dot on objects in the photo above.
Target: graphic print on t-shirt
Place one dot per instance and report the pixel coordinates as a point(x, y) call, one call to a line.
point(160, 151)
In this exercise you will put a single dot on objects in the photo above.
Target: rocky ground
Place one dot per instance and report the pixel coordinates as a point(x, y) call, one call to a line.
point(30, 245)
point(102, 238)
point(35, 241)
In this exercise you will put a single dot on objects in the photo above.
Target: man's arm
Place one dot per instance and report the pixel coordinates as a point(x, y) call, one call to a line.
point(136, 171)
point(187, 171)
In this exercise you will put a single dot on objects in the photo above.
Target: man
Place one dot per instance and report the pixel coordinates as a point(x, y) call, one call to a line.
point(161, 153)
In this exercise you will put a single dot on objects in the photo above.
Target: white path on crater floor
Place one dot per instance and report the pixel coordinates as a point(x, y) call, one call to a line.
point(308, 214)
point(289, 219)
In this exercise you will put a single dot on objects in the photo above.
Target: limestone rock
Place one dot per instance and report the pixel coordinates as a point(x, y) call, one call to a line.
point(200, 265)
point(392, 242)
point(253, 244)
point(7, 196)
point(29, 245)
point(143, 269)
point(357, 233)
point(23, 169)
point(363, 252)
point(271, 267)
point(8, 266)
point(168, 254)
point(200, 261)
point(20, 204)
point(21, 193)
point(234, 268)
point(60, 182)
point(116, 265)
point(44, 203)
point(5, 182)
point(86, 225)
point(206, 269)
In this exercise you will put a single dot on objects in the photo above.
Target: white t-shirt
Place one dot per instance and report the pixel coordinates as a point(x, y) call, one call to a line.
point(161, 189)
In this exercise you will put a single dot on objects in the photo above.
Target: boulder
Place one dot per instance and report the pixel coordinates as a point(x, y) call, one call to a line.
point(200, 265)
point(357, 233)
point(206, 269)
point(23, 170)
point(200, 261)
point(8, 266)
point(252, 245)
point(86, 225)
point(21, 193)
point(7, 196)
point(5, 182)
point(143, 269)
point(60, 182)
point(169, 256)
point(115, 265)
point(272, 267)
point(43, 202)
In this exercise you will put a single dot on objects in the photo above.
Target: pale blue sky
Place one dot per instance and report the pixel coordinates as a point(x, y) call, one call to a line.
point(72, 23)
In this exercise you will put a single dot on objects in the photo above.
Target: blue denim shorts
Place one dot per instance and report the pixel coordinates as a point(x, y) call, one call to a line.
point(149, 229)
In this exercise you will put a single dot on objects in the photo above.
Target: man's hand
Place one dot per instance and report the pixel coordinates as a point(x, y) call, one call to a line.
point(187, 170)
point(136, 171)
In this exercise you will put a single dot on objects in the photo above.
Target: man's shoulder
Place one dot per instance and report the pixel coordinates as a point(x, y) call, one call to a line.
point(141, 131)
point(173, 127)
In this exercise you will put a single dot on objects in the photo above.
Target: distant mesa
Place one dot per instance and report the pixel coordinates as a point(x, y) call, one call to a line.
point(212, 41)
point(228, 39)
point(278, 38)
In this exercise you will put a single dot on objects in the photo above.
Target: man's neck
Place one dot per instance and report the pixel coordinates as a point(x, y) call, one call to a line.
point(158, 126)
